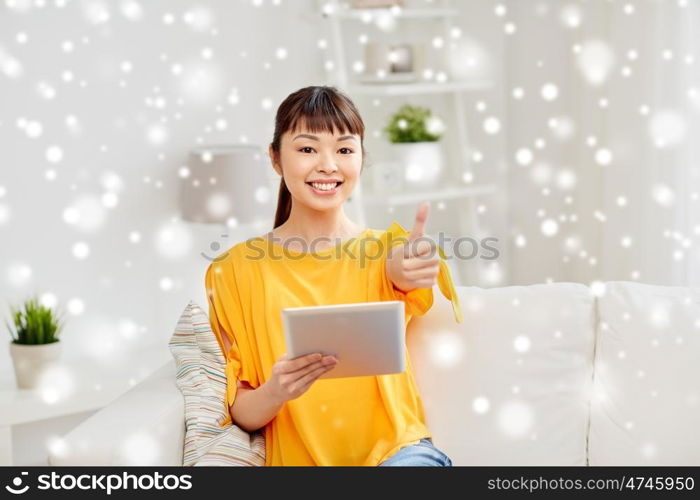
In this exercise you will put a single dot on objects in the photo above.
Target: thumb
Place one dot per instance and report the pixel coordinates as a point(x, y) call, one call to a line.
point(419, 225)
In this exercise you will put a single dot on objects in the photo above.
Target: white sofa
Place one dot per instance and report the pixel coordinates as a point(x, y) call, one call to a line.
point(547, 374)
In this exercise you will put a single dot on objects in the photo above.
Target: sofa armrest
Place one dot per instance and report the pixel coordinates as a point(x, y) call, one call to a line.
point(144, 426)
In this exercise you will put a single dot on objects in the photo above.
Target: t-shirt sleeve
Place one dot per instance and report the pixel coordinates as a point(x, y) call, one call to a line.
point(226, 322)
point(419, 300)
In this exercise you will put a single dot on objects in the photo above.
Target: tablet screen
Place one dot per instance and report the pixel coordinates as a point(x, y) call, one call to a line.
point(368, 338)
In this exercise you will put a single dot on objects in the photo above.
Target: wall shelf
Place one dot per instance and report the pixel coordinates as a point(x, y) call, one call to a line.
point(450, 193)
point(417, 88)
point(444, 12)
point(368, 15)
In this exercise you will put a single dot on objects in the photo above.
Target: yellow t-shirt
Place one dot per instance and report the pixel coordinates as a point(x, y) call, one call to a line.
point(342, 421)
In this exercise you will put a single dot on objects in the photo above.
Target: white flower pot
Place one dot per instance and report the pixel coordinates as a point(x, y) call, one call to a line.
point(422, 163)
point(30, 361)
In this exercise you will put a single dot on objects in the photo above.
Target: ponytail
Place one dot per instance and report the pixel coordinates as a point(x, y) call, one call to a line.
point(284, 205)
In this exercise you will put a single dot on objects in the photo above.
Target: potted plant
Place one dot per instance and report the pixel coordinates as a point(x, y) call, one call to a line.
point(415, 134)
point(35, 343)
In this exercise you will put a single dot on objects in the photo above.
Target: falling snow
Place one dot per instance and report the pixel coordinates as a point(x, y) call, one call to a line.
point(589, 146)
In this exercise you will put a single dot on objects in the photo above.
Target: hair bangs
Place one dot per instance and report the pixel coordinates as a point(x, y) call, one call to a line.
point(323, 112)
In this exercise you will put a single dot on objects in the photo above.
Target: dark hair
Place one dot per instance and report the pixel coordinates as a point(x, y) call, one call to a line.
point(321, 109)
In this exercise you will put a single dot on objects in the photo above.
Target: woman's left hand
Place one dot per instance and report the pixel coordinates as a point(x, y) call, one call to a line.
point(414, 264)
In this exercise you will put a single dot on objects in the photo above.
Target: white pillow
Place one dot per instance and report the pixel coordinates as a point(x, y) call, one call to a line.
point(646, 404)
point(508, 385)
point(201, 378)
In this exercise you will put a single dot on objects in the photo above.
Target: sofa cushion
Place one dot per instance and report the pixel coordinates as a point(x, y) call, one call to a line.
point(646, 394)
point(508, 385)
point(201, 377)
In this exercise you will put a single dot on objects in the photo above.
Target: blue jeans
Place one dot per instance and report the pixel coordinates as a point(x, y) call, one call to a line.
point(421, 454)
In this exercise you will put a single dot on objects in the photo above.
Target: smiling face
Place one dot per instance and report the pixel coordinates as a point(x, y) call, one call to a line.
point(320, 169)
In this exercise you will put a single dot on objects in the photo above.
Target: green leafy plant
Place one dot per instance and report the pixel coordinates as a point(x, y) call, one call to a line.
point(34, 324)
point(414, 124)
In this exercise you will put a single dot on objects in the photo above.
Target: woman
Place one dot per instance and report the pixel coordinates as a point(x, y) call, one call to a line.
point(318, 151)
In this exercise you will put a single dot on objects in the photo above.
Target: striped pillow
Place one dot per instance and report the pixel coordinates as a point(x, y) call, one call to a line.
point(202, 380)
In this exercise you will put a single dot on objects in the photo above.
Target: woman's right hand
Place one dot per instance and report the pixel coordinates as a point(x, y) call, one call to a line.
point(292, 377)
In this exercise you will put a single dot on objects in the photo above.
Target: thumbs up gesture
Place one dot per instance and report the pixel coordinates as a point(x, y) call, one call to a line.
point(416, 263)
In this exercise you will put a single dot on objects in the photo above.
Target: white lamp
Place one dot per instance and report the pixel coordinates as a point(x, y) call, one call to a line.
point(227, 184)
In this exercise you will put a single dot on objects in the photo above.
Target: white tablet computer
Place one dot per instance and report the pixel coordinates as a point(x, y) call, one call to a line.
point(368, 338)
